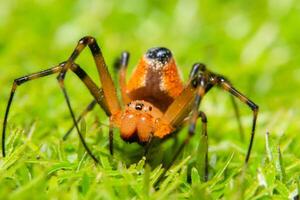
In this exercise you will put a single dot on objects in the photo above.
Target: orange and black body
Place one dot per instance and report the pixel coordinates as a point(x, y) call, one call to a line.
point(153, 86)
point(155, 102)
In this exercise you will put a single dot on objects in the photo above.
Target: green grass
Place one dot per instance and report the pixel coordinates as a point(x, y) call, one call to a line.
point(254, 43)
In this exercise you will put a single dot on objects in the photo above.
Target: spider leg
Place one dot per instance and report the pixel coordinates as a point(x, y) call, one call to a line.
point(201, 67)
point(189, 101)
point(17, 82)
point(109, 90)
point(96, 92)
point(193, 120)
point(215, 79)
point(111, 140)
point(89, 108)
point(121, 65)
point(204, 141)
point(184, 103)
point(74, 121)
point(224, 84)
point(238, 117)
point(191, 132)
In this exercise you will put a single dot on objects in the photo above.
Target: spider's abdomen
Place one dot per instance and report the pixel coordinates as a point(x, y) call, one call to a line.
point(156, 79)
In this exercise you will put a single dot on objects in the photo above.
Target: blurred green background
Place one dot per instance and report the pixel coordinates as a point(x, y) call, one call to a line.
point(253, 43)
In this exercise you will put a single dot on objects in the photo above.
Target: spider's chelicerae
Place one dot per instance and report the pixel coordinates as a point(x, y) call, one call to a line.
point(155, 102)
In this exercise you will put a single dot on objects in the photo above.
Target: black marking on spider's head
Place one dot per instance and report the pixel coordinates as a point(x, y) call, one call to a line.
point(160, 54)
point(139, 106)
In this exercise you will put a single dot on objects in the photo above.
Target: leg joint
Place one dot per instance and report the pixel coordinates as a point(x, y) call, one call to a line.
point(192, 129)
point(87, 40)
point(91, 42)
point(203, 117)
point(253, 106)
point(21, 80)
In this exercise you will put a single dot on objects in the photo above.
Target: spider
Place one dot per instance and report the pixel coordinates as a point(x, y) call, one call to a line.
point(155, 102)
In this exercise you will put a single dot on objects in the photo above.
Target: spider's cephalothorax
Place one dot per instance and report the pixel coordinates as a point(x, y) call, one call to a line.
point(155, 102)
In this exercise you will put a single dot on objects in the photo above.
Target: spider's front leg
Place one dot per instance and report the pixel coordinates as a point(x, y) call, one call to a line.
point(109, 89)
point(121, 65)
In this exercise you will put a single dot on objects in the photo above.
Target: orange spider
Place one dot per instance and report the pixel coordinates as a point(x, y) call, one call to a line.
point(155, 101)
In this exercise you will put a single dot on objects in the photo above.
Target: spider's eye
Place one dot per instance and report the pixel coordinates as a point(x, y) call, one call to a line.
point(160, 54)
point(139, 106)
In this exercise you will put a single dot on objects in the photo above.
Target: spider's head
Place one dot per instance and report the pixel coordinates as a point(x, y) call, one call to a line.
point(138, 121)
point(159, 55)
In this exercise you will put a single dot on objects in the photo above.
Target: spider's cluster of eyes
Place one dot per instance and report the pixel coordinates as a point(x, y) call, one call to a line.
point(139, 106)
